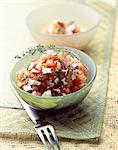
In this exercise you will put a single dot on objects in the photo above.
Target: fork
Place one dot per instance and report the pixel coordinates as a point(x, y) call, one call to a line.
point(44, 129)
point(44, 133)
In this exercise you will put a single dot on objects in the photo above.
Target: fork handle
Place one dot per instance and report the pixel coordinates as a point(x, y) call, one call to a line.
point(33, 113)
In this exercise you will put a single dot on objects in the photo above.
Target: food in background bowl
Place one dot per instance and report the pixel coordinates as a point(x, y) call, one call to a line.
point(53, 74)
point(61, 27)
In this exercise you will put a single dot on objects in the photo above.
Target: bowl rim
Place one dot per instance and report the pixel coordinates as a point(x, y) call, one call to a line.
point(63, 35)
point(68, 95)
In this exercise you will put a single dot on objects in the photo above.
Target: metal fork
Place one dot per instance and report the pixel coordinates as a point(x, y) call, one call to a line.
point(44, 130)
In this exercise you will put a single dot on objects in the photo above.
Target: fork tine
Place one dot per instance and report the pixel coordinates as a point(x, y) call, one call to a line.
point(46, 132)
point(41, 137)
point(54, 136)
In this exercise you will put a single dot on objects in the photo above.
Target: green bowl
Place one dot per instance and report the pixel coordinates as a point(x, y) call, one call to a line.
point(57, 102)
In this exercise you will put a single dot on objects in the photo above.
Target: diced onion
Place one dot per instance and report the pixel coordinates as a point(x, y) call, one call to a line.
point(34, 71)
point(31, 65)
point(47, 93)
point(27, 88)
point(74, 65)
point(33, 82)
point(46, 70)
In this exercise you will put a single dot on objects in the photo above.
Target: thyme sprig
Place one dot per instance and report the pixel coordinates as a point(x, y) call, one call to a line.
point(39, 48)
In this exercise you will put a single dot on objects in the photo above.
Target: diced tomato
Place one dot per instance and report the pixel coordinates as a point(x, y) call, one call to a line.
point(75, 88)
point(83, 68)
point(44, 58)
point(58, 67)
point(20, 75)
point(31, 75)
point(36, 93)
point(76, 81)
point(67, 90)
point(44, 84)
point(48, 65)
point(40, 69)
point(83, 78)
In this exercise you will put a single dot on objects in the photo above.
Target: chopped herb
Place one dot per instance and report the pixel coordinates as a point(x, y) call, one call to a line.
point(29, 50)
point(33, 51)
point(59, 30)
point(64, 81)
point(51, 46)
point(39, 48)
point(59, 72)
point(25, 78)
point(59, 49)
point(18, 56)
point(23, 54)
point(67, 66)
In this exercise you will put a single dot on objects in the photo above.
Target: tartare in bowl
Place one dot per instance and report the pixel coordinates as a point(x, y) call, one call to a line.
point(53, 74)
point(63, 27)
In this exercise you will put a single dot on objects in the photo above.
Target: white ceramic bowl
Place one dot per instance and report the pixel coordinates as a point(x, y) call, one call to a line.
point(40, 18)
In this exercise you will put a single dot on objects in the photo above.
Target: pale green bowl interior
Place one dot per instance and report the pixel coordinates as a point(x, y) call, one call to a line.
point(57, 102)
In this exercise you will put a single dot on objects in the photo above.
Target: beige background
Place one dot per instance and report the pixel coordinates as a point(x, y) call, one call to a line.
point(14, 35)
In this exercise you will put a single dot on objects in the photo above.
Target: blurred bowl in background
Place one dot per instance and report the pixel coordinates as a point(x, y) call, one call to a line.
point(40, 18)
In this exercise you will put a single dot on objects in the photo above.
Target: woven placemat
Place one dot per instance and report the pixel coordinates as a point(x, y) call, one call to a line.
point(85, 121)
